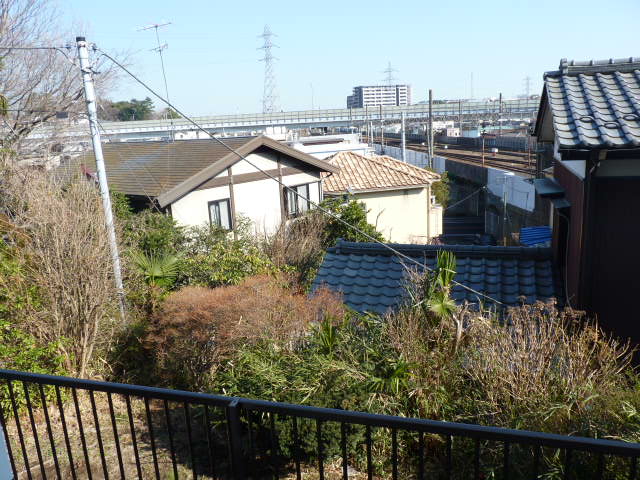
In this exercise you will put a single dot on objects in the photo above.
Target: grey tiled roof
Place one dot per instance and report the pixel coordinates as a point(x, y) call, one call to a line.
point(596, 103)
point(372, 279)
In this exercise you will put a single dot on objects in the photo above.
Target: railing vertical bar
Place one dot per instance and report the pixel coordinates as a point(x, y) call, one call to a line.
point(7, 441)
point(134, 441)
point(394, 454)
point(212, 456)
point(421, 456)
point(252, 447)
point(187, 423)
point(172, 449)
point(476, 460)
point(449, 467)
point(369, 462)
point(273, 441)
point(505, 466)
point(634, 468)
point(320, 453)
point(83, 440)
point(600, 470)
point(343, 446)
point(19, 427)
point(567, 463)
point(234, 432)
point(296, 448)
point(152, 439)
point(65, 433)
point(98, 434)
point(34, 430)
point(536, 462)
point(116, 438)
point(45, 409)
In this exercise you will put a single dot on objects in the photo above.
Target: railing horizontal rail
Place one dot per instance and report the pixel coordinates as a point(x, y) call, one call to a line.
point(614, 447)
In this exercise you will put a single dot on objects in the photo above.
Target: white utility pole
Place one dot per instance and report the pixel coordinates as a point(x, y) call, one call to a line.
point(430, 128)
point(90, 98)
point(381, 129)
point(404, 141)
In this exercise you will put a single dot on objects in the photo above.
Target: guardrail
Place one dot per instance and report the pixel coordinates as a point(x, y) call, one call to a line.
point(64, 427)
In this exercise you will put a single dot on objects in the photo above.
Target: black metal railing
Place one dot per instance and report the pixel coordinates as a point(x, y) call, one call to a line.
point(59, 427)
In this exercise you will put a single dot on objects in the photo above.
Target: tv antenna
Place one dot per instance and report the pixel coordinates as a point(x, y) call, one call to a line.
point(160, 48)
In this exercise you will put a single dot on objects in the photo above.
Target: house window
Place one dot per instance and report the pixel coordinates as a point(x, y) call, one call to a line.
point(297, 199)
point(220, 214)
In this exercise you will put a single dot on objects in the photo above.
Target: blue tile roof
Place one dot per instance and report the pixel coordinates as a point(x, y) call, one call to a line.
point(372, 278)
point(595, 104)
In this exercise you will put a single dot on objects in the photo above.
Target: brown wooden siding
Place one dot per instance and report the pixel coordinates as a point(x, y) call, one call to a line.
point(574, 187)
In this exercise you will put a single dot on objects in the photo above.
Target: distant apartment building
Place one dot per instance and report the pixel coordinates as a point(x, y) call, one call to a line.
point(374, 95)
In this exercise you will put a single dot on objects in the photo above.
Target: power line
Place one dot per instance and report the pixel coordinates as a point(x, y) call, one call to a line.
point(465, 198)
point(275, 179)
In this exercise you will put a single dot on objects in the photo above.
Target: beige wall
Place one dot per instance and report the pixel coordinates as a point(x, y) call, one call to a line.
point(401, 215)
point(258, 200)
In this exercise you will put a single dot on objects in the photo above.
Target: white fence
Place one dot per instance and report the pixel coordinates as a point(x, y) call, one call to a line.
point(419, 159)
point(520, 192)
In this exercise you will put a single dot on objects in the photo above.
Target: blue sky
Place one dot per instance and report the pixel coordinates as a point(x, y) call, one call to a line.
point(212, 57)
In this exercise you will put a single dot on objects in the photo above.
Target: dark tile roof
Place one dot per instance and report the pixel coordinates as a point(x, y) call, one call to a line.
point(372, 278)
point(594, 104)
point(169, 169)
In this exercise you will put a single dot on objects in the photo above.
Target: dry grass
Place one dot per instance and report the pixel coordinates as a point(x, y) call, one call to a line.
point(198, 328)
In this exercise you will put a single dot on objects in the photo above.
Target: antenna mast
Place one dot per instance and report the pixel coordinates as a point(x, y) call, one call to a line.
point(160, 49)
point(270, 94)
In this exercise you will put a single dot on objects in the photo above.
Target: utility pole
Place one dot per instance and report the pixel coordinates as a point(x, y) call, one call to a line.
point(402, 136)
point(90, 98)
point(506, 177)
point(500, 115)
point(311, 97)
point(381, 128)
point(430, 128)
point(460, 115)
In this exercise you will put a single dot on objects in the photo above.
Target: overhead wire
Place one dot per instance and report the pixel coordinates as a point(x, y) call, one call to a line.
point(267, 174)
point(465, 198)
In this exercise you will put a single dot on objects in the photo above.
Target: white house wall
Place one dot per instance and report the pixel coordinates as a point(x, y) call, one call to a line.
point(400, 215)
point(193, 208)
point(258, 200)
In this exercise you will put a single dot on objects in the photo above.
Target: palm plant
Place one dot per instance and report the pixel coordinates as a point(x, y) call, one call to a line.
point(159, 270)
point(435, 288)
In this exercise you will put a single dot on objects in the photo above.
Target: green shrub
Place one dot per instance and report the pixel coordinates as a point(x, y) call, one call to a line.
point(351, 212)
point(153, 232)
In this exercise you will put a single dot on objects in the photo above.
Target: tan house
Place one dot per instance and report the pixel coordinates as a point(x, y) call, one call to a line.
point(397, 195)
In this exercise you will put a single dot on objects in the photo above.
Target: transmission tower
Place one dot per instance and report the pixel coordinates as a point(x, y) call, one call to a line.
point(527, 86)
point(389, 78)
point(270, 94)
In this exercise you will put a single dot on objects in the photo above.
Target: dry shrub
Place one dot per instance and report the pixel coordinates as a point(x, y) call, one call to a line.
point(299, 243)
point(198, 328)
point(64, 244)
point(545, 360)
point(545, 369)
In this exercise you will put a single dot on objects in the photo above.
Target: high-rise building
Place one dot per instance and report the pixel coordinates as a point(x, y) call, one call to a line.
point(374, 95)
